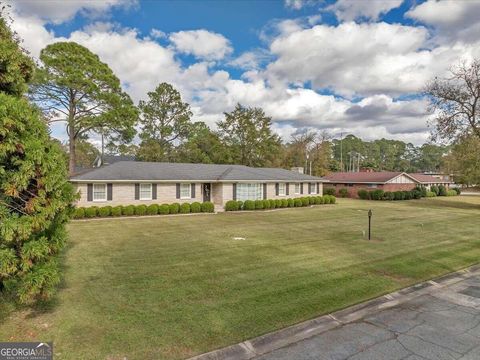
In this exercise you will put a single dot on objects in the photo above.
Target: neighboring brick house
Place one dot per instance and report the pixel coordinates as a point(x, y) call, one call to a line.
point(428, 180)
point(135, 182)
point(385, 180)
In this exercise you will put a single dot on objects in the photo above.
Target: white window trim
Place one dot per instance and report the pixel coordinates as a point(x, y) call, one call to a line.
point(93, 192)
point(140, 192)
point(284, 189)
point(189, 191)
point(297, 192)
point(314, 192)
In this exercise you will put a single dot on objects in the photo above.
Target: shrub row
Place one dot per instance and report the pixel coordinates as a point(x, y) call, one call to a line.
point(417, 193)
point(140, 210)
point(389, 195)
point(234, 205)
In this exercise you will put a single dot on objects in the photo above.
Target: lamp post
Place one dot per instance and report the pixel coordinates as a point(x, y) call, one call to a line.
point(369, 224)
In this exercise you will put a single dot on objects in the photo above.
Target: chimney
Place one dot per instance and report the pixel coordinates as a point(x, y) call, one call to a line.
point(297, 169)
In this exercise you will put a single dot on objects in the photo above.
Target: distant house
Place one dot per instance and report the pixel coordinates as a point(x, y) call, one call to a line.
point(135, 182)
point(385, 180)
point(428, 180)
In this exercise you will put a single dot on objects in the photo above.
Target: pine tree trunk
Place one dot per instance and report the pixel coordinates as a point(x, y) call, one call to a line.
point(71, 145)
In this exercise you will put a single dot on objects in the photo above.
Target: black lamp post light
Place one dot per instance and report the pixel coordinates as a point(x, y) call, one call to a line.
point(370, 224)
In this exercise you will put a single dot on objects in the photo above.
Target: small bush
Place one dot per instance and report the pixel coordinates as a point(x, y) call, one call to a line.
point(278, 203)
point(231, 205)
point(451, 193)
point(79, 213)
point(305, 201)
point(388, 195)
point(343, 192)
point(195, 207)
point(326, 199)
point(174, 208)
point(312, 200)
point(407, 195)
point(105, 211)
point(117, 211)
point(266, 204)
point(363, 194)
point(128, 210)
point(458, 190)
point(208, 207)
point(399, 195)
point(249, 205)
point(152, 209)
point(333, 199)
point(240, 205)
point(318, 200)
point(377, 194)
point(91, 212)
point(329, 191)
point(284, 203)
point(416, 194)
point(272, 204)
point(435, 189)
point(422, 189)
point(140, 210)
point(298, 202)
point(185, 208)
point(431, 194)
point(164, 209)
point(291, 203)
point(442, 191)
point(258, 204)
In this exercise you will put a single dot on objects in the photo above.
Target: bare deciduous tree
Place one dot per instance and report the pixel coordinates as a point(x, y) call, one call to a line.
point(455, 102)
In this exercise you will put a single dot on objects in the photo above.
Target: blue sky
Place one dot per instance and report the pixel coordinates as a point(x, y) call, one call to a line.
point(347, 66)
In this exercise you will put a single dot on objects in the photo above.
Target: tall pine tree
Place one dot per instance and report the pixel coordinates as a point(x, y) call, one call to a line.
point(35, 196)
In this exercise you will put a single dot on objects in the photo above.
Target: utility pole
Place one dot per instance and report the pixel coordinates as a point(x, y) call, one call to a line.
point(341, 151)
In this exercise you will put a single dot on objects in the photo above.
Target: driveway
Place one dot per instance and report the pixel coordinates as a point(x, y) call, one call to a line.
point(442, 324)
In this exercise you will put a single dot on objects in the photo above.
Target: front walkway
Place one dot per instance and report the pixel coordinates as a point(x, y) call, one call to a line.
point(438, 319)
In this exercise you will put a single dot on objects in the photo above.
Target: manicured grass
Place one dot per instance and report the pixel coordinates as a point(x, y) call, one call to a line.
point(169, 288)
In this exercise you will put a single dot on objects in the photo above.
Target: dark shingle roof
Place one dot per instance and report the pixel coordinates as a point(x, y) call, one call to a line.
point(137, 170)
point(429, 179)
point(362, 177)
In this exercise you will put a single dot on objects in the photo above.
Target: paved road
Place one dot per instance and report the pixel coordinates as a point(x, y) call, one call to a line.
point(444, 324)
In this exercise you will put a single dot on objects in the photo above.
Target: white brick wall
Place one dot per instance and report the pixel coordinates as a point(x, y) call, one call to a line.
point(124, 194)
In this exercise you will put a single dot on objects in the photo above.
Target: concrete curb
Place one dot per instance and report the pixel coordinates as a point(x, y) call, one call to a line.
point(252, 348)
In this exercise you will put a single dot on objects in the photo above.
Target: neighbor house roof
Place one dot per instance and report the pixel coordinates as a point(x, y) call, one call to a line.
point(428, 179)
point(158, 171)
point(379, 177)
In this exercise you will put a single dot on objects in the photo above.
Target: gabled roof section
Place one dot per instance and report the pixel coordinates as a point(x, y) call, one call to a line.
point(428, 179)
point(380, 177)
point(158, 171)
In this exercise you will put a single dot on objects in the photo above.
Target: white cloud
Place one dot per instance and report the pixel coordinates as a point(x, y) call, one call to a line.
point(202, 44)
point(157, 34)
point(453, 20)
point(361, 59)
point(59, 11)
point(349, 10)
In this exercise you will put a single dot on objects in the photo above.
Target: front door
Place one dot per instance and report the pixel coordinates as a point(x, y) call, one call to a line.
point(206, 192)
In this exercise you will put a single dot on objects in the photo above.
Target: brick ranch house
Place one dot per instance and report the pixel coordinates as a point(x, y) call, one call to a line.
point(384, 180)
point(136, 182)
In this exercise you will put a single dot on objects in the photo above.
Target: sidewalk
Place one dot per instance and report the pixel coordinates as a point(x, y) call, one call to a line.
point(437, 319)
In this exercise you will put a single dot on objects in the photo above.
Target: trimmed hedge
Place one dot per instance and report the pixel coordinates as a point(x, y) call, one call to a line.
point(195, 207)
point(280, 203)
point(343, 192)
point(431, 194)
point(458, 190)
point(329, 191)
point(140, 210)
point(208, 207)
point(363, 194)
point(152, 209)
point(185, 208)
point(451, 193)
point(105, 211)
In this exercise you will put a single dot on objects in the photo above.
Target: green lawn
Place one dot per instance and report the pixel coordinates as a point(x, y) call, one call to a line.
point(173, 287)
